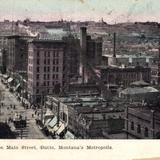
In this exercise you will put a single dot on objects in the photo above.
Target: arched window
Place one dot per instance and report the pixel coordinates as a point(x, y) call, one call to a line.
point(132, 125)
point(138, 128)
point(146, 132)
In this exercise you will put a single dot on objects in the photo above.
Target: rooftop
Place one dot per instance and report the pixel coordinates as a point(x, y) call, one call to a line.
point(139, 90)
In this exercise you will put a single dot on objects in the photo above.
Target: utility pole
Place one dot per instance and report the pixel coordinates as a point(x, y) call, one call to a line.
point(158, 60)
point(58, 112)
point(42, 99)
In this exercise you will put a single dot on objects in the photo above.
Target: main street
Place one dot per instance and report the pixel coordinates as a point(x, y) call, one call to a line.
point(7, 111)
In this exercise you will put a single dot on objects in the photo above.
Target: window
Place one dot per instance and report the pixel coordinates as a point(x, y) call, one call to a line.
point(37, 84)
point(48, 54)
point(44, 61)
point(48, 76)
point(37, 91)
point(37, 53)
point(44, 83)
point(45, 54)
point(44, 76)
point(37, 61)
point(146, 132)
point(53, 83)
point(48, 69)
point(57, 61)
point(57, 69)
point(37, 76)
point(48, 83)
point(138, 128)
point(37, 69)
point(44, 69)
point(48, 61)
point(53, 76)
point(57, 54)
point(132, 125)
point(56, 76)
point(54, 61)
point(53, 68)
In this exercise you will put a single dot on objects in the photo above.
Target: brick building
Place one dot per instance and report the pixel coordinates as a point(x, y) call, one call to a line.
point(124, 75)
point(91, 54)
point(46, 67)
point(87, 117)
point(142, 122)
point(17, 53)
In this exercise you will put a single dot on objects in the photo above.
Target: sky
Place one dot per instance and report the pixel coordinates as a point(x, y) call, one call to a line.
point(112, 11)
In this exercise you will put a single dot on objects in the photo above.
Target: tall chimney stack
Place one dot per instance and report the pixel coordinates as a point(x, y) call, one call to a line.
point(83, 44)
point(114, 44)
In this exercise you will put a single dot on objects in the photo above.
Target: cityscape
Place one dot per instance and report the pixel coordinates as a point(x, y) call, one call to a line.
point(65, 79)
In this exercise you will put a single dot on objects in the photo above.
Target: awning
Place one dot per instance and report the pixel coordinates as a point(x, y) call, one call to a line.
point(5, 76)
point(53, 122)
point(60, 129)
point(49, 113)
point(10, 80)
point(69, 135)
point(47, 121)
point(55, 127)
point(18, 85)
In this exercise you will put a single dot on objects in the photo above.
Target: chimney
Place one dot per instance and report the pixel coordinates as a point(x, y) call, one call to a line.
point(114, 44)
point(83, 44)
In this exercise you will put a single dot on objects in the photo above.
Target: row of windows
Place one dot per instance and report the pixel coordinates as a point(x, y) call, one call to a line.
point(47, 61)
point(47, 83)
point(146, 134)
point(47, 76)
point(50, 91)
point(47, 69)
point(48, 53)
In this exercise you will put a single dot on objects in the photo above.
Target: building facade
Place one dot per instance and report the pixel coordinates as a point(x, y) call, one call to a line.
point(142, 122)
point(17, 54)
point(46, 68)
point(125, 76)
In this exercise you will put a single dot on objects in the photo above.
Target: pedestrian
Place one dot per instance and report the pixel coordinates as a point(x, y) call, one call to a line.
point(14, 107)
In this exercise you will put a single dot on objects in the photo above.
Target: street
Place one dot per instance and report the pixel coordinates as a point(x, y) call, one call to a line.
point(7, 110)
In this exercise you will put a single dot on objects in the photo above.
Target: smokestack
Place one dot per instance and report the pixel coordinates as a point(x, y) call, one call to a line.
point(83, 44)
point(114, 44)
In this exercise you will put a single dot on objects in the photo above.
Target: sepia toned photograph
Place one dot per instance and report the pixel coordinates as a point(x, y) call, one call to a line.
point(80, 69)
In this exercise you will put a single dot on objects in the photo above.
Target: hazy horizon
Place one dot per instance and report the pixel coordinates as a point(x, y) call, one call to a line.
point(112, 11)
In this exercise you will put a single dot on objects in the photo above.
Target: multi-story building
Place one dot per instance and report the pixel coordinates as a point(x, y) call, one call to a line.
point(46, 68)
point(142, 122)
point(87, 116)
point(3, 60)
point(17, 53)
point(124, 75)
point(90, 55)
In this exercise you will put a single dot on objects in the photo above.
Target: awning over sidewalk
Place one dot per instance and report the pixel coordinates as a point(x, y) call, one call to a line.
point(5, 76)
point(58, 129)
point(61, 128)
point(69, 135)
point(53, 122)
point(17, 87)
point(10, 80)
point(47, 122)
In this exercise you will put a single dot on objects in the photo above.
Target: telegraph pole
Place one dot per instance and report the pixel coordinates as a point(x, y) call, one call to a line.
point(42, 99)
point(158, 61)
